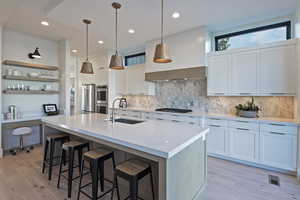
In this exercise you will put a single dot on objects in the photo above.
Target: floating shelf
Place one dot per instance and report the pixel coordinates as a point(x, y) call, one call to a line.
point(29, 65)
point(30, 92)
point(25, 78)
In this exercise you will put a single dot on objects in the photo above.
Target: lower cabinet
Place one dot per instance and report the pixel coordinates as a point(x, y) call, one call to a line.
point(216, 140)
point(278, 150)
point(244, 144)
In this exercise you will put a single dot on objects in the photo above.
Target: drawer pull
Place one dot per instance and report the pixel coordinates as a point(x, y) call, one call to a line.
point(277, 133)
point(214, 125)
point(214, 119)
point(176, 121)
point(278, 93)
point(242, 121)
point(277, 124)
point(245, 93)
point(243, 129)
point(159, 119)
point(219, 93)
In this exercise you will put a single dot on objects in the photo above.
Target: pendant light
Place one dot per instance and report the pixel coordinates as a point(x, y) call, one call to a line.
point(161, 50)
point(116, 61)
point(87, 67)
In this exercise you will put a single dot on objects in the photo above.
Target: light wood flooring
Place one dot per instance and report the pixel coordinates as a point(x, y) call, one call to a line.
point(21, 179)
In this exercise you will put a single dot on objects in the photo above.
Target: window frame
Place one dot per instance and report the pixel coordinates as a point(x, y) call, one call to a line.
point(286, 24)
point(133, 55)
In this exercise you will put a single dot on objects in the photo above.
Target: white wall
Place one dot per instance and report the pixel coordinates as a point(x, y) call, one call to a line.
point(16, 46)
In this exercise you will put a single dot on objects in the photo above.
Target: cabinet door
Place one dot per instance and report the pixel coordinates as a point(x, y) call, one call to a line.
point(216, 140)
point(244, 144)
point(278, 150)
point(120, 82)
point(243, 70)
point(135, 79)
point(278, 71)
point(218, 67)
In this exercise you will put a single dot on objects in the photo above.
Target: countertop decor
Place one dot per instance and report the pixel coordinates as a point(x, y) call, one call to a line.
point(249, 110)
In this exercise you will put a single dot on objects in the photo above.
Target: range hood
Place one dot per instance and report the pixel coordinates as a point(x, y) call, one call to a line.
point(194, 73)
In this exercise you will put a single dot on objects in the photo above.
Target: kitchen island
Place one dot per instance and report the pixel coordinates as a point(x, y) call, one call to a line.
point(178, 149)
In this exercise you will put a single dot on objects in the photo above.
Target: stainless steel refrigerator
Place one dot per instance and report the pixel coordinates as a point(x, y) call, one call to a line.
point(88, 97)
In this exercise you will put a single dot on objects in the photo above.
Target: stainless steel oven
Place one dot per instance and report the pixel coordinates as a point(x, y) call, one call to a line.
point(102, 99)
point(101, 94)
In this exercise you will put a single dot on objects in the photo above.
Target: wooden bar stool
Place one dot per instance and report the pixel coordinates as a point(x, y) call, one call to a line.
point(96, 159)
point(52, 140)
point(70, 148)
point(133, 170)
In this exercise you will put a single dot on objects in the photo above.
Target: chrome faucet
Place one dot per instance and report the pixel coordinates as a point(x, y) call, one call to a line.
point(113, 109)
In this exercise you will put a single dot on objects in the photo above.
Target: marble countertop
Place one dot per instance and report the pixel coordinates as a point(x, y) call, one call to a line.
point(223, 116)
point(25, 118)
point(159, 138)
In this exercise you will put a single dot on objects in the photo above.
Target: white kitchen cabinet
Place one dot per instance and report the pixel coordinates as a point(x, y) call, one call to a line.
point(218, 75)
point(135, 80)
point(277, 70)
point(244, 144)
point(265, 70)
point(278, 147)
point(120, 85)
point(244, 66)
point(216, 140)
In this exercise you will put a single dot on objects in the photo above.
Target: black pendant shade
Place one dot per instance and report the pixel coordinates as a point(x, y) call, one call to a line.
point(35, 54)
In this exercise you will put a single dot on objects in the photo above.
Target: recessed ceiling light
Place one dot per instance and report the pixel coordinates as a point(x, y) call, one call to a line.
point(176, 15)
point(74, 50)
point(45, 23)
point(131, 31)
point(100, 42)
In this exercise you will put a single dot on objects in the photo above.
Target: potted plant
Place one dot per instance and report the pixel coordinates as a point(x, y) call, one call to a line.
point(249, 110)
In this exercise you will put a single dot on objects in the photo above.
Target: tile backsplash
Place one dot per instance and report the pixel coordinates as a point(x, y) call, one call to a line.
point(192, 94)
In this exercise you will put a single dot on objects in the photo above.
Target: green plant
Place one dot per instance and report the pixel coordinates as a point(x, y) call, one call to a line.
point(249, 106)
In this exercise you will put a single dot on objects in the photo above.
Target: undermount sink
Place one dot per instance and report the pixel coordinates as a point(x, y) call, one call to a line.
point(128, 121)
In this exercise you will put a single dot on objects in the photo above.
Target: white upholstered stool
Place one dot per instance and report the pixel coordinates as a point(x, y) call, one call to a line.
point(21, 132)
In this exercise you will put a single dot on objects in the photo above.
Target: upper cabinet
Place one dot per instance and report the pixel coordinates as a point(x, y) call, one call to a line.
point(218, 69)
point(186, 49)
point(267, 70)
point(278, 70)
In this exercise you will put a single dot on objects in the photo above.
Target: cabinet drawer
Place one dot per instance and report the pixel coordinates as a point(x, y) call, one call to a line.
point(216, 122)
point(243, 125)
point(188, 119)
point(277, 128)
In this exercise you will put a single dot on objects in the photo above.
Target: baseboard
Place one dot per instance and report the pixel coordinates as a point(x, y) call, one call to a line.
point(293, 173)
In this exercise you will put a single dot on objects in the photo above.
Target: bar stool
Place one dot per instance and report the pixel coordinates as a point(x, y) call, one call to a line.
point(96, 159)
point(21, 132)
point(52, 140)
point(133, 170)
point(71, 147)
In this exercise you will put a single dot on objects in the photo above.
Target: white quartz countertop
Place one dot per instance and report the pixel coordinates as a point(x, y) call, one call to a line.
point(25, 118)
point(222, 116)
point(159, 138)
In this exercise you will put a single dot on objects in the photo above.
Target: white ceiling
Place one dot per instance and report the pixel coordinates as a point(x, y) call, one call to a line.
point(65, 17)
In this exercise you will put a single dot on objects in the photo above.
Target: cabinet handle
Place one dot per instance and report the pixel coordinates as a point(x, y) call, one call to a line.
point(176, 121)
point(214, 125)
point(245, 93)
point(214, 119)
point(159, 119)
point(278, 93)
point(277, 133)
point(243, 129)
point(220, 93)
point(277, 124)
point(241, 121)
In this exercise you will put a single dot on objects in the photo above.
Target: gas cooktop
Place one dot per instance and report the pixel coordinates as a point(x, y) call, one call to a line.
point(173, 110)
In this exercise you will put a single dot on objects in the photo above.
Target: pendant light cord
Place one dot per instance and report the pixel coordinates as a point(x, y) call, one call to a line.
point(116, 31)
point(87, 42)
point(162, 21)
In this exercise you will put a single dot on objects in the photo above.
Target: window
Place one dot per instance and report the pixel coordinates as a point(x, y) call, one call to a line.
point(251, 37)
point(135, 59)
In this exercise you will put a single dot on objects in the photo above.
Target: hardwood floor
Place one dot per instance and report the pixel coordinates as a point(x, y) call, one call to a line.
point(21, 179)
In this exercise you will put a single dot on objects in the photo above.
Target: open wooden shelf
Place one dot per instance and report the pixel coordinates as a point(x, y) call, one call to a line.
point(25, 78)
point(30, 92)
point(29, 65)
